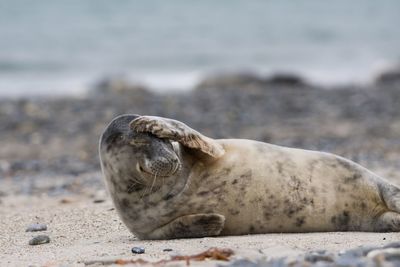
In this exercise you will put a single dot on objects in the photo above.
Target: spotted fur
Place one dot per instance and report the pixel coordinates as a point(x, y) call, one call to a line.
point(204, 187)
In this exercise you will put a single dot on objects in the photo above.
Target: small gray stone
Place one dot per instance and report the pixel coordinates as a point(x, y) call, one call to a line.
point(38, 240)
point(353, 261)
point(167, 249)
point(367, 249)
point(389, 254)
point(323, 264)
point(393, 245)
point(282, 262)
point(242, 263)
point(35, 227)
point(138, 250)
point(346, 261)
point(351, 253)
point(315, 257)
point(321, 251)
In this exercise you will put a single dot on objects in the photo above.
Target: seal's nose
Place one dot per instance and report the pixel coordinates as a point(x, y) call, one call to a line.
point(161, 166)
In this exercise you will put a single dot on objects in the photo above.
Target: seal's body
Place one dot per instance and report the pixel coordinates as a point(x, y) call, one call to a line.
point(169, 181)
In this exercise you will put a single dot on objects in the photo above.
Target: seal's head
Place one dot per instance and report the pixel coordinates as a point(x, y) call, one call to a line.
point(128, 155)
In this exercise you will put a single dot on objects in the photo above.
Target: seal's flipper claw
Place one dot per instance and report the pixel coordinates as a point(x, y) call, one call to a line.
point(177, 131)
point(189, 226)
point(388, 222)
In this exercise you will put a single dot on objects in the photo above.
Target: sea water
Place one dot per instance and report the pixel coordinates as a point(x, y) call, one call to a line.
point(65, 46)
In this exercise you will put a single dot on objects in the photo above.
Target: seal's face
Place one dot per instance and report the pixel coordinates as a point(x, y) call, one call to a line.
point(130, 155)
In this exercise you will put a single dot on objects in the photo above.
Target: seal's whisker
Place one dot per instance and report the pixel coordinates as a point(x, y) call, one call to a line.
point(133, 180)
point(144, 193)
point(149, 190)
point(154, 181)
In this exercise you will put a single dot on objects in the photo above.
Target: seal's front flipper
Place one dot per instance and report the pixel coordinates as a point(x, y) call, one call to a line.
point(189, 226)
point(177, 131)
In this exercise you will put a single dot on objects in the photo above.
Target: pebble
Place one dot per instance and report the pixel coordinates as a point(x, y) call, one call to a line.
point(352, 253)
point(315, 257)
point(393, 245)
point(167, 249)
point(244, 263)
point(138, 250)
point(389, 254)
point(35, 227)
point(38, 240)
point(350, 261)
point(65, 201)
point(367, 249)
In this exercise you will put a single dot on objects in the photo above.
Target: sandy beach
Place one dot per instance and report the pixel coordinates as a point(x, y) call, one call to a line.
point(50, 174)
point(84, 233)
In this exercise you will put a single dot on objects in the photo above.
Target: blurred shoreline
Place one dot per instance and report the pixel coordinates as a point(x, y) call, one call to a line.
point(17, 86)
point(174, 45)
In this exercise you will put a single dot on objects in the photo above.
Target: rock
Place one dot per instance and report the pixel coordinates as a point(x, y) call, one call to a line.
point(351, 253)
point(99, 196)
point(281, 262)
point(389, 77)
point(281, 251)
point(230, 80)
point(393, 245)
point(65, 201)
point(286, 79)
point(138, 250)
point(38, 240)
point(167, 249)
point(352, 257)
point(350, 261)
point(315, 257)
point(35, 227)
point(246, 80)
point(116, 85)
point(388, 254)
point(243, 263)
point(367, 249)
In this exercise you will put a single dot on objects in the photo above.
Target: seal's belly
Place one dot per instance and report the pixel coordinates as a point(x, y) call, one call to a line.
point(264, 188)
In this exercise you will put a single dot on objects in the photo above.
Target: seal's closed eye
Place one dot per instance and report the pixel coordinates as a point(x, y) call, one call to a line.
point(139, 142)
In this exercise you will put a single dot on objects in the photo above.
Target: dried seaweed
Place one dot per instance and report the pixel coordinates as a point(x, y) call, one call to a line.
point(210, 254)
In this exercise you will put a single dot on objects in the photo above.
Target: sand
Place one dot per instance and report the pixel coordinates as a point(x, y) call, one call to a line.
point(83, 232)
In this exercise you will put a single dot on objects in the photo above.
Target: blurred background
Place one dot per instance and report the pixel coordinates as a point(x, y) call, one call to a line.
point(306, 73)
point(63, 47)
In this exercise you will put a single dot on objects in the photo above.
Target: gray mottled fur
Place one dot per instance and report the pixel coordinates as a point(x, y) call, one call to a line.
point(169, 181)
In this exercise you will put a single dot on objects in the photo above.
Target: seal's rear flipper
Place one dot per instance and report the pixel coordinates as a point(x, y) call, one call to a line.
point(177, 131)
point(388, 222)
point(391, 196)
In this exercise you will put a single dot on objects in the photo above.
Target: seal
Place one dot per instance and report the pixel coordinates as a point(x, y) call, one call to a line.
point(169, 181)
